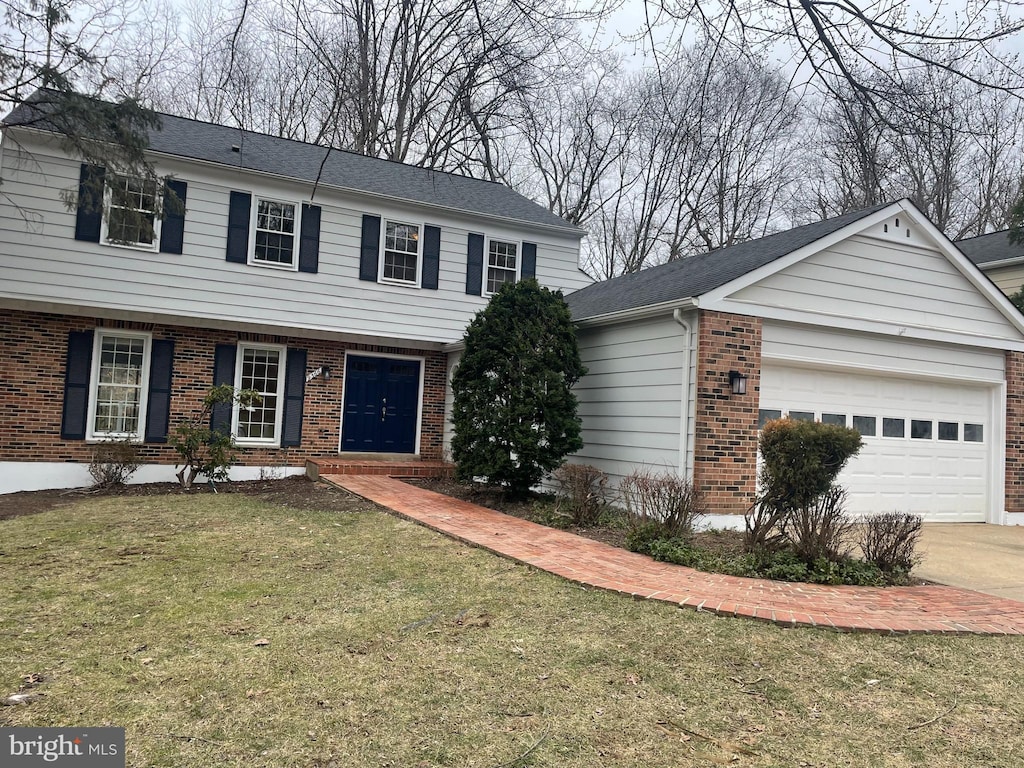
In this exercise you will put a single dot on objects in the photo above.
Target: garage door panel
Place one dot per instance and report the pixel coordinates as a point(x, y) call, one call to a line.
point(941, 479)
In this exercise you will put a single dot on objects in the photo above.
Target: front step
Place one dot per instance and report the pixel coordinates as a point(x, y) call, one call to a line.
point(390, 466)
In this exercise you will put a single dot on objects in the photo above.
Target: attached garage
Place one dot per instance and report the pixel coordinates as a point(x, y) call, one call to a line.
point(927, 443)
point(873, 320)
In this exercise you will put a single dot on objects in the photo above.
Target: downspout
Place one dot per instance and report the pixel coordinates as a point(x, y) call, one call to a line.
point(684, 412)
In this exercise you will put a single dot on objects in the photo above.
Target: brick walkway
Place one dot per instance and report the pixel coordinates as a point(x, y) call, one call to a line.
point(929, 609)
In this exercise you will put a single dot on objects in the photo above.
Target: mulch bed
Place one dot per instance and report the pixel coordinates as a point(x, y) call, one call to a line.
point(297, 492)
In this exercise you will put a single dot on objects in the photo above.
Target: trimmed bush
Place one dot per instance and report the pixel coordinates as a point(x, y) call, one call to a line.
point(582, 492)
point(202, 449)
point(662, 500)
point(889, 540)
point(114, 462)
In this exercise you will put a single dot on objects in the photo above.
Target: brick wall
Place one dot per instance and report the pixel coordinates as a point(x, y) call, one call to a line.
point(1015, 432)
point(725, 444)
point(32, 367)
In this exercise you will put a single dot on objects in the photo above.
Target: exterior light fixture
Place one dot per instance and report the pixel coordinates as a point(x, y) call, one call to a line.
point(327, 373)
point(738, 382)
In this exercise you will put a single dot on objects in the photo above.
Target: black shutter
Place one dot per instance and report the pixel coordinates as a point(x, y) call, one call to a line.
point(239, 209)
point(89, 217)
point(309, 239)
point(369, 250)
point(172, 228)
point(431, 256)
point(529, 261)
point(294, 392)
point(76, 386)
point(475, 264)
point(223, 373)
point(158, 408)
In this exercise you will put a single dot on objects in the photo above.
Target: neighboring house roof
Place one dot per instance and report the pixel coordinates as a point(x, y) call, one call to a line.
point(192, 139)
point(991, 249)
point(696, 275)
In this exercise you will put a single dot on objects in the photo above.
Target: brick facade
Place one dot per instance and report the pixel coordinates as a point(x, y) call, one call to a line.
point(725, 440)
point(32, 370)
point(1014, 432)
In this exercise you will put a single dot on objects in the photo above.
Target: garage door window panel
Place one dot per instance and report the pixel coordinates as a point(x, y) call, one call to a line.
point(949, 430)
point(866, 425)
point(802, 415)
point(893, 427)
point(974, 433)
point(920, 429)
point(836, 419)
point(765, 415)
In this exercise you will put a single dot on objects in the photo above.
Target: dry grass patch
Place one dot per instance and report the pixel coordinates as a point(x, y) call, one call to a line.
point(389, 645)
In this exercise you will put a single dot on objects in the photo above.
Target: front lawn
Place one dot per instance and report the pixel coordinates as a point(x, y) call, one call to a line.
point(227, 630)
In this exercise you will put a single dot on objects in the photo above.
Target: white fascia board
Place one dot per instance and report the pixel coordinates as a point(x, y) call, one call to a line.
point(784, 262)
point(841, 322)
point(639, 313)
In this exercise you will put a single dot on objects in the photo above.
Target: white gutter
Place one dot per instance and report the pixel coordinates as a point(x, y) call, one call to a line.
point(684, 410)
point(639, 313)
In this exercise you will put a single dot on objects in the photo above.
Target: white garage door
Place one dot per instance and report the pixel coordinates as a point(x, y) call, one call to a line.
point(927, 444)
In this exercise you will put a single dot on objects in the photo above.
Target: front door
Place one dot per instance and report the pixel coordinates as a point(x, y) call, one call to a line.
point(381, 405)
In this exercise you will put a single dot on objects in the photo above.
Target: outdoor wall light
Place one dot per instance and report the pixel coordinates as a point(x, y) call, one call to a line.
point(327, 373)
point(738, 382)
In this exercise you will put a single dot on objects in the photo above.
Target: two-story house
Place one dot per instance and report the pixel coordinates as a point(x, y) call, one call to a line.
point(329, 282)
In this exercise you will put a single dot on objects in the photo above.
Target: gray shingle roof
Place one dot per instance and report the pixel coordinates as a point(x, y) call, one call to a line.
point(193, 139)
point(992, 247)
point(697, 275)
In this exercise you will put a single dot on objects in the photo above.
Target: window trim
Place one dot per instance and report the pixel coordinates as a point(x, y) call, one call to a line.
point(262, 442)
point(418, 283)
point(254, 208)
point(487, 261)
point(158, 201)
point(91, 435)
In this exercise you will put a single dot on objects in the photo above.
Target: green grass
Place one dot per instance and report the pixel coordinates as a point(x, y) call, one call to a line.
point(390, 645)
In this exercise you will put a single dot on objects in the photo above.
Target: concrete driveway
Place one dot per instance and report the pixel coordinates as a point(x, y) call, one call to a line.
point(985, 558)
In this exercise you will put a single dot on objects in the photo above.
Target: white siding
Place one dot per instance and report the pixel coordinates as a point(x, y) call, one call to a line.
point(870, 279)
point(821, 347)
point(1009, 279)
point(201, 284)
point(632, 403)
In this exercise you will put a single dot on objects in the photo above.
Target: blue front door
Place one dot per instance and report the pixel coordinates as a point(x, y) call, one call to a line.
point(382, 395)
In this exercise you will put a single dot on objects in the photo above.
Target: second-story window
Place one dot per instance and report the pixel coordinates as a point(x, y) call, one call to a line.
point(401, 253)
point(131, 207)
point(502, 264)
point(274, 233)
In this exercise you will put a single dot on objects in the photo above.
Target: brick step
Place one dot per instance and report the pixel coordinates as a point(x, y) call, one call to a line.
point(390, 466)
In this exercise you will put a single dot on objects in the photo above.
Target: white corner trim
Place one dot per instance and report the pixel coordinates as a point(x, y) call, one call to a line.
point(18, 476)
point(1013, 518)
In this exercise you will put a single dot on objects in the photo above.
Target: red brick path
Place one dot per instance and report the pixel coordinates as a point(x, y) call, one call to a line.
point(932, 609)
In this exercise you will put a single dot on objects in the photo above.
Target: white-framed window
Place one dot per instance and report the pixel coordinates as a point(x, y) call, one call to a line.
point(502, 264)
point(260, 367)
point(275, 227)
point(117, 394)
point(401, 262)
point(130, 207)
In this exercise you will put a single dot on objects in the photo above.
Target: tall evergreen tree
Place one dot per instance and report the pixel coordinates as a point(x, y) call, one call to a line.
point(515, 412)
